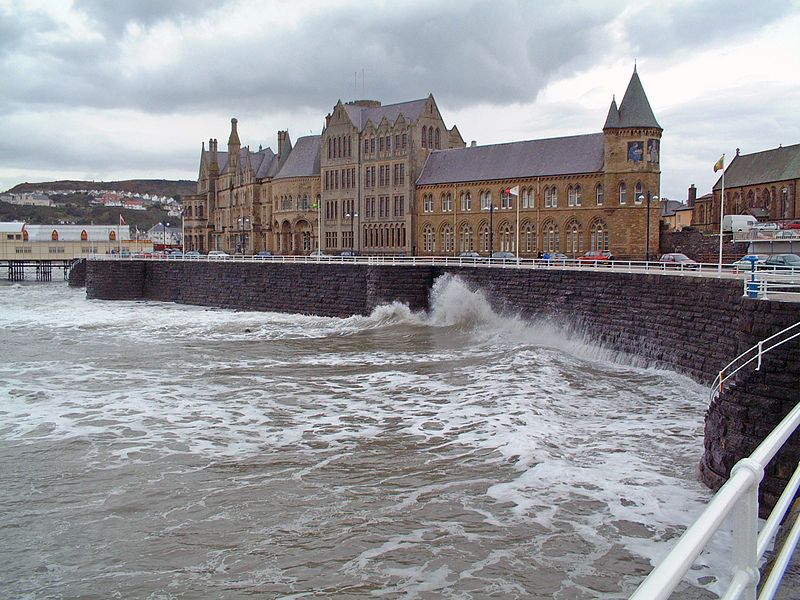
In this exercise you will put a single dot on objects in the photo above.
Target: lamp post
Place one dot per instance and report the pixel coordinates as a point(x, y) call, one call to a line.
point(164, 224)
point(647, 229)
point(352, 216)
point(491, 228)
point(245, 238)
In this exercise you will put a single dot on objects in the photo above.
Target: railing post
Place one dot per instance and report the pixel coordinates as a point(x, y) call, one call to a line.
point(745, 530)
point(760, 351)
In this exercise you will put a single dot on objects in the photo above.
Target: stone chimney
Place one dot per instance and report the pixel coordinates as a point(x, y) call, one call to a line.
point(692, 196)
point(473, 143)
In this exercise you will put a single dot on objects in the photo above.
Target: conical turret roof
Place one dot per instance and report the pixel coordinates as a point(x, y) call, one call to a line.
point(634, 110)
point(612, 120)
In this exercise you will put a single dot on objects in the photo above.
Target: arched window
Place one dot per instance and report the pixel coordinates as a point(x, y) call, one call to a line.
point(548, 198)
point(638, 196)
point(554, 197)
point(507, 241)
point(551, 239)
point(330, 141)
point(599, 235)
point(304, 203)
point(506, 199)
point(468, 201)
point(574, 238)
point(577, 195)
point(701, 214)
point(437, 140)
point(428, 239)
point(430, 137)
point(598, 194)
point(528, 241)
point(466, 241)
point(84, 236)
point(424, 136)
point(202, 211)
point(448, 241)
point(785, 202)
point(483, 237)
point(444, 202)
point(527, 200)
point(623, 193)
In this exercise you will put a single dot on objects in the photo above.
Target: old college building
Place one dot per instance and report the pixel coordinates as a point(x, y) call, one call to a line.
point(395, 179)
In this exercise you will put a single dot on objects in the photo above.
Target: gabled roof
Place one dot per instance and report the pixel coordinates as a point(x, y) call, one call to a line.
point(634, 110)
point(778, 164)
point(359, 115)
point(532, 158)
point(303, 161)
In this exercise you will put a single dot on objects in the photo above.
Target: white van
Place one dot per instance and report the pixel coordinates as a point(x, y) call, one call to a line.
point(734, 223)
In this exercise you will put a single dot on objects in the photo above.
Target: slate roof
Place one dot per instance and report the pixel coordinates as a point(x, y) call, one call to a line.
point(359, 115)
point(778, 164)
point(634, 110)
point(532, 158)
point(303, 161)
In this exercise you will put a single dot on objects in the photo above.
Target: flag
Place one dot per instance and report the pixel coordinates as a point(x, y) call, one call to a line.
point(121, 220)
point(315, 206)
point(513, 191)
point(720, 164)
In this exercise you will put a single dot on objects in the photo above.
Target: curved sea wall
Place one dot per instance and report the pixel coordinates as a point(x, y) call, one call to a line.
point(693, 325)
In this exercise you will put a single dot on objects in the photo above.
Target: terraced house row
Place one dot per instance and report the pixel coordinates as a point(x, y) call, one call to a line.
point(394, 179)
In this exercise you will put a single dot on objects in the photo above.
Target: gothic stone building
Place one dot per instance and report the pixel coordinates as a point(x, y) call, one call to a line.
point(585, 192)
point(359, 176)
point(762, 184)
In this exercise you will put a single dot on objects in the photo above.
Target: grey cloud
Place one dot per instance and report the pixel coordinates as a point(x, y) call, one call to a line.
point(114, 16)
point(463, 52)
point(668, 28)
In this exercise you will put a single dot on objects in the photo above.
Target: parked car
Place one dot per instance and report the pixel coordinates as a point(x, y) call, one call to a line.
point(175, 254)
point(504, 256)
point(554, 256)
point(678, 260)
point(192, 254)
point(767, 226)
point(747, 261)
point(264, 254)
point(792, 225)
point(318, 254)
point(783, 260)
point(597, 256)
point(349, 253)
point(472, 256)
point(218, 254)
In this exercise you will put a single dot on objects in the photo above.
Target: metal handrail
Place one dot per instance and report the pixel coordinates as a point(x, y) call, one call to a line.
point(626, 266)
point(752, 354)
point(738, 497)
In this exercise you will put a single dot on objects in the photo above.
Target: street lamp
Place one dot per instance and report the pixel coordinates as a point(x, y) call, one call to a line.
point(647, 231)
point(164, 224)
point(491, 229)
point(352, 216)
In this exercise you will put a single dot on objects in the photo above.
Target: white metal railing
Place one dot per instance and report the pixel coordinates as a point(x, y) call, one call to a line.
point(626, 266)
point(766, 285)
point(738, 498)
point(753, 354)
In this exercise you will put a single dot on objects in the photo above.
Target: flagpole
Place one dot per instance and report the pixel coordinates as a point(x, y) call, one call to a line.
point(721, 213)
point(119, 237)
point(517, 245)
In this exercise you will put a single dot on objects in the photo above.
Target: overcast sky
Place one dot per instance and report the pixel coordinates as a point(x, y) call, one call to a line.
point(116, 89)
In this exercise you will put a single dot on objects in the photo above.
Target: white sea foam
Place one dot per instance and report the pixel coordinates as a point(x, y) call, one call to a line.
point(586, 444)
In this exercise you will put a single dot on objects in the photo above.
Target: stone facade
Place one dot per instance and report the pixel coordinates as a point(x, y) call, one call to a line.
point(566, 195)
point(762, 184)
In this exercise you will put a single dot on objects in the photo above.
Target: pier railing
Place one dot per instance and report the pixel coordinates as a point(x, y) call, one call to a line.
point(738, 498)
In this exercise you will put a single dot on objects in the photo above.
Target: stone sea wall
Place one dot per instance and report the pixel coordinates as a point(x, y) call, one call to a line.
point(693, 325)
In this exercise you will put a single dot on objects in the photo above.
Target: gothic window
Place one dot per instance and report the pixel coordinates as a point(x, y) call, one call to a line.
point(483, 234)
point(466, 239)
point(623, 193)
point(424, 136)
point(507, 241)
point(637, 193)
point(598, 194)
point(548, 198)
point(577, 195)
point(437, 140)
point(506, 199)
point(430, 137)
point(448, 240)
point(468, 201)
point(528, 241)
point(571, 196)
point(574, 238)
point(428, 239)
point(554, 197)
point(599, 235)
point(551, 239)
